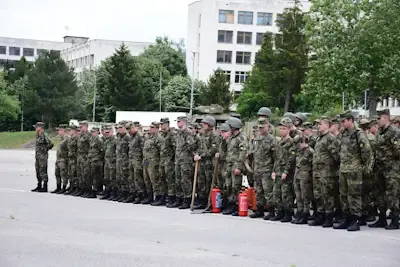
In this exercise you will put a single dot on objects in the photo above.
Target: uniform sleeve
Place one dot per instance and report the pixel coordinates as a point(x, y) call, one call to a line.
point(367, 155)
point(396, 143)
point(173, 141)
point(243, 148)
point(291, 161)
point(210, 152)
point(333, 148)
point(48, 142)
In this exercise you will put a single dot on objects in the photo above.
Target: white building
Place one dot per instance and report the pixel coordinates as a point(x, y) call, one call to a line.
point(227, 34)
point(92, 52)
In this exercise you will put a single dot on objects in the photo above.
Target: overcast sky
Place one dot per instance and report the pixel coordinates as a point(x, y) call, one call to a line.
point(129, 20)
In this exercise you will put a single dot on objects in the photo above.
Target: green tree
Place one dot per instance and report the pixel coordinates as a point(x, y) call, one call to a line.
point(355, 46)
point(22, 68)
point(216, 91)
point(171, 58)
point(86, 82)
point(9, 103)
point(51, 88)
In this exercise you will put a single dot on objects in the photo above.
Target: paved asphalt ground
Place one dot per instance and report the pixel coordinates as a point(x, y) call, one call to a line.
point(56, 230)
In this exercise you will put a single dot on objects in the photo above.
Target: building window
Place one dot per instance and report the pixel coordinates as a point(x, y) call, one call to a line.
point(224, 56)
point(57, 52)
point(259, 38)
point(226, 16)
point(227, 74)
point(243, 57)
point(264, 18)
point(244, 37)
point(14, 51)
point(3, 50)
point(28, 52)
point(240, 76)
point(225, 37)
point(41, 52)
point(245, 17)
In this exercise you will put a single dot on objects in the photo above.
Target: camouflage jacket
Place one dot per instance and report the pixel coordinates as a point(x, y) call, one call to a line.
point(136, 143)
point(304, 163)
point(167, 147)
point(388, 147)
point(296, 136)
point(271, 129)
point(122, 149)
point(73, 148)
point(207, 146)
point(238, 146)
point(43, 145)
point(151, 149)
point(312, 141)
point(62, 151)
point(185, 146)
point(110, 149)
point(223, 149)
point(285, 157)
point(95, 149)
point(356, 154)
point(372, 141)
point(326, 156)
point(84, 143)
point(263, 152)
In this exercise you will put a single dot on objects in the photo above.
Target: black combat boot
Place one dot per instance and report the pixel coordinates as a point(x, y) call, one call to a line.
point(76, 190)
point(337, 216)
point(201, 204)
point(63, 190)
point(328, 220)
point(92, 194)
point(147, 200)
point(185, 205)
point(44, 188)
point(177, 203)
point(303, 218)
point(344, 224)
point(159, 202)
point(55, 191)
point(271, 213)
point(138, 199)
point(394, 224)
point(38, 187)
point(86, 193)
point(319, 220)
point(114, 194)
point(314, 208)
point(123, 196)
point(354, 224)
point(297, 218)
point(235, 210)
point(70, 191)
point(228, 209)
point(129, 199)
point(106, 194)
point(170, 201)
point(287, 217)
point(381, 222)
point(80, 192)
point(259, 213)
point(362, 220)
point(279, 216)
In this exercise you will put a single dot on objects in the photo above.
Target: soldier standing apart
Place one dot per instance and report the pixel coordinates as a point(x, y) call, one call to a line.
point(356, 160)
point(303, 179)
point(263, 153)
point(167, 162)
point(83, 162)
point(222, 183)
point(388, 171)
point(122, 162)
point(132, 194)
point(185, 146)
point(42, 147)
point(236, 155)
point(283, 171)
point(325, 162)
point(109, 147)
point(61, 168)
point(96, 163)
point(207, 147)
point(72, 154)
point(151, 163)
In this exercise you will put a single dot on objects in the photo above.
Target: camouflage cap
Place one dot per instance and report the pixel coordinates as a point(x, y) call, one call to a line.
point(73, 127)
point(325, 118)
point(136, 123)
point(155, 124)
point(286, 121)
point(383, 112)
point(335, 120)
point(396, 119)
point(164, 120)
point(95, 129)
point(225, 127)
point(364, 123)
point(307, 125)
point(39, 124)
point(128, 125)
point(262, 122)
point(346, 115)
point(83, 123)
point(181, 118)
point(62, 126)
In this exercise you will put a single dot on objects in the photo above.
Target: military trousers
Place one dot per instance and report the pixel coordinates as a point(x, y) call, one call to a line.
point(366, 193)
point(183, 179)
point(167, 176)
point(41, 168)
point(220, 183)
point(303, 186)
point(131, 180)
point(136, 176)
point(264, 186)
point(388, 179)
point(151, 177)
point(328, 193)
point(109, 173)
point(283, 193)
point(83, 170)
point(317, 193)
point(61, 172)
point(95, 176)
point(73, 178)
point(204, 178)
point(350, 188)
point(122, 174)
point(234, 183)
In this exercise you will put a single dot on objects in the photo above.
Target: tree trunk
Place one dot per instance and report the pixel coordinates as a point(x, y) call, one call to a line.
point(288, 98)
point(373, 99)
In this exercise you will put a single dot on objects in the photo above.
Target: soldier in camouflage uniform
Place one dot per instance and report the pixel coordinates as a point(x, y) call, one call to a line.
point(42, 147)
point(265, 113)
point(250, 159)
point(356, 160)
point(395, 122)
point(238, 146)
point(388, 171)
point(307, 131)
point(222, 183)
point(151, 164)
point(83, 165)
point(325, 161)
point(303, 179)
point(294, 133)
point(132, 194)
point(72, 157)
point(95, 157)
point(263, 152)
point(167, 162)
point(283, 172)
point(185, 147)
point(61, 168)
point(208, 143)
point(122, 162)
point(109, 147)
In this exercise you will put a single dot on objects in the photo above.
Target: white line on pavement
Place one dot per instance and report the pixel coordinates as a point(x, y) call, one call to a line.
point(14, 190)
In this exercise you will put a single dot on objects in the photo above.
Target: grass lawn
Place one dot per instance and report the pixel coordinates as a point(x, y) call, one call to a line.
point(15, 139)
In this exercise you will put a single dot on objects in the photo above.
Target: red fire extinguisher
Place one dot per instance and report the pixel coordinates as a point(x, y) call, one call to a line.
point(243, 204)
point(216, 200)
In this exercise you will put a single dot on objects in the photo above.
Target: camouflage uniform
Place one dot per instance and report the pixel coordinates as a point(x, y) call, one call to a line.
point(151, 163)
point(109, 145)
point(303, 179)
point(83, 170)
point(42, 147)
point(222, 182)
point(95, 159)
point(167, 161)
point(61, 170)
point(136, 164)
point(72, 160)
point(122, 162)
